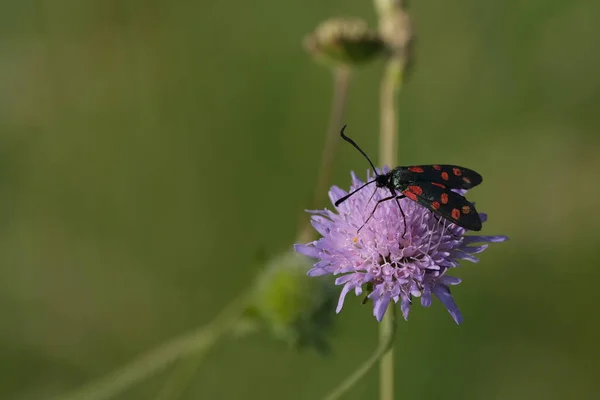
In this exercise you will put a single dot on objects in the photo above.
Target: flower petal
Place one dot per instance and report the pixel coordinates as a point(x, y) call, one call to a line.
point(321, 225)
point(335, 193)
point(490, 239)
point(474, 249)
point(405, 307)
point(426, 299)
point(449, 280)
point(442, 292)
point(317, 271)
point(380, 306)
point(448, 263)
point(355, 180)
point(307, 250)
point(358, 290)
point(343, 294)
point(457, 253)
point(344, 278)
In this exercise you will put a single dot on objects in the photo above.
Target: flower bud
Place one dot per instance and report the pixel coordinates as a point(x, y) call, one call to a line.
point(296, 308)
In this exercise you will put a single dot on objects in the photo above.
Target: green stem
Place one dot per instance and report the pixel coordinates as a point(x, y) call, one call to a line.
point(197, 342)
point(341, 82)
point(384, 345)
point(180, 378)
point(390, 85)
point(186, 369)
point(390, 82)
point(388, 143)
point(394, 28)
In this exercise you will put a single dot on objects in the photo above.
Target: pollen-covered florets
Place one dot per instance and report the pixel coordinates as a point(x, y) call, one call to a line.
point(398, 263)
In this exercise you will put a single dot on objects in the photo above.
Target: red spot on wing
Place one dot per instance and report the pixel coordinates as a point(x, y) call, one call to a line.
point(455, 213)
point(466, 179)
point(466, 209)
point(456, 171)
point(435, 205)
point(416, 169)
point(416, 190)
point(437, 167)
point(438, 185)
point(410, 195)
point(445, 176)
point(444, 198)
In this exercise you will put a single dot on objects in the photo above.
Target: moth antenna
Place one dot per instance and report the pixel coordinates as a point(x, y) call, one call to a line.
point(347, 139)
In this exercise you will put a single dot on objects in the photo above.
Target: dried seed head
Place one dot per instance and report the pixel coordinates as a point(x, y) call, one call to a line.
point(344, 42)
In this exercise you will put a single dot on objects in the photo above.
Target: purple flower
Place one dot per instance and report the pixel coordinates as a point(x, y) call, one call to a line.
point(396, 265)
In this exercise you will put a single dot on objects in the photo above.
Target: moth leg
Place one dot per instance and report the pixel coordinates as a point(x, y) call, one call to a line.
point(398, 198)
point(375, 208)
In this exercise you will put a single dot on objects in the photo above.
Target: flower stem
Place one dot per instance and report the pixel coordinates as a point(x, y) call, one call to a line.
point(180, 378)
point(384, 345)
point(186, 369)
point(195, 343)
point(341, 82)
point(394, 27)
point(390, 84)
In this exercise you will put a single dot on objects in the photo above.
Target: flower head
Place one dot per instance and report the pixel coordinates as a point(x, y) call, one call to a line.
point(396, 265)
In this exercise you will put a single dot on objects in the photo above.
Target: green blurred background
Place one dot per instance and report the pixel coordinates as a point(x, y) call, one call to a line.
point(150, 149)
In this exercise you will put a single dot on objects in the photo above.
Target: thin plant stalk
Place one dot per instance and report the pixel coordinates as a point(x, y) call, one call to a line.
point(394, 27)
point(186, 369)
point(180, 378)
point(390, 84)
point(384, 345)
point(341, 83)
point(197, 342)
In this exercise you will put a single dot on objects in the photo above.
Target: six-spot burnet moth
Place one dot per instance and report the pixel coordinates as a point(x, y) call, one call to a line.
point(429, 185)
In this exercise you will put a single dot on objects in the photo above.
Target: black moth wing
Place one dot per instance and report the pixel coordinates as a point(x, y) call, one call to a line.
point(445, 203)
point(451, 176)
